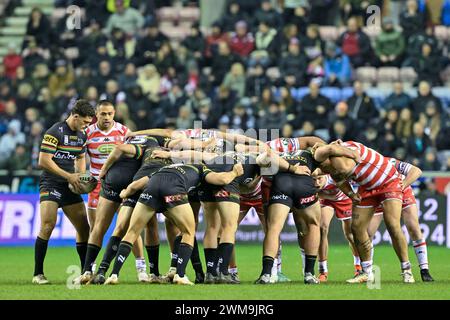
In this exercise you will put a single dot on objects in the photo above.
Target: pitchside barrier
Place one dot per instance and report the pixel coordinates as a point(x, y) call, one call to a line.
point(20, 218)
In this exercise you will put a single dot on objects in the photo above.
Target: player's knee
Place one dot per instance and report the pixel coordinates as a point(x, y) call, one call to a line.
point(324, 229)
point(46, 229)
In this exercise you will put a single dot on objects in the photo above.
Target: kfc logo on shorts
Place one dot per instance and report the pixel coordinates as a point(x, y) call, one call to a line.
point(308, 199)
point(222, 194)
point(173, 198)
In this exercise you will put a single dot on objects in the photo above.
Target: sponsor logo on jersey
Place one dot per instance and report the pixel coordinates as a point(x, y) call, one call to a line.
point(73, 138)
point(49, 139)
point(247, 181)
point(66, 139)
point(64, 155)
point(307, 199)
point(106, 148)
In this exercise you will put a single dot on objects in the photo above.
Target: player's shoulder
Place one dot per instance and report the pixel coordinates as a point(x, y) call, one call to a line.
point(56, 130)
point(91, 129)
point(121, 128)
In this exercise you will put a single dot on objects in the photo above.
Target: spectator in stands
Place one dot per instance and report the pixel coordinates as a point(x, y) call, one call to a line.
point(404, 125)
point(150, 81)
point(240, 118)
point(165, 59)
point(429, 161)
point(48, 107)
point(38, 29)
point(340, 113)
point(269, 14)
point(61, 79)
point(293, 64)
point(195, 42)
point(272, 118)
point(256, 82)
point(148, 46)
point(267, 45)
point(312, 44)
point(40, 77)
point(314, 107)
point(224, 101)
point(33, 143)
point(266, 98)
point(418, 142)
point(12, 61)
point(411, 20)
point(371, 138)
point(442, 140)
point(315, 70)
point(34, 55)
point(307, 129)
point(337, 66)
point(11, 139)
point(185, 119)
point(361, 106)
point(104, 73)
point(93, 39)
point(389, 45)
point(388, 133)
point(424, 97)
point(355, 8)
point(247, 6)
point(324, 12)
point(123, 116)
point(128, 79)
point(398, 99)
point(415, 43)
point(339, 131)
point(120, 48)
point(112, 92)
point(173, 101)
point(31, 116)
point(19, 160)
point(242, 42)
point(355, 44)
point(300, 18)
point(129, 19)
point(222, 63)
point(25, 97)
point(427, 66)
point(205, 115)
point(233, 15)
point(9, 115)
point(431, 119)
point(214, 39)
point(287, 103)
point(91, 95)
point(235, 79)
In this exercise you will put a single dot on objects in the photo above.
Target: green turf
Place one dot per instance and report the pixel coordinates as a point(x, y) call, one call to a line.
point(16, 265)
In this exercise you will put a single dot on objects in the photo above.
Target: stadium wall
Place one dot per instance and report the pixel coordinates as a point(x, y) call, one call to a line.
point(20, 218)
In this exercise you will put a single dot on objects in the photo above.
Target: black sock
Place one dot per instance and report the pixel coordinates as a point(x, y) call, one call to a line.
point(267, 263)
point(110, 254)
point(122, 255)
point(184, 254)
point(310, 261)
point(91, 255)
point(195, 258)
point(82, 250)
point(211, 258)
point(224, 251)
point(40, 250)
point(153, 258)
point(176, 247)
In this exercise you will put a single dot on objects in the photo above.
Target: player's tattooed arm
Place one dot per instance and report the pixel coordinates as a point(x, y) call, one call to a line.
point(80, 163)
point(223, 178)
point(185, 156)
point(413, 174)
point(346, 188)
point(134, 187)
point(46, 163)
point(150, 132)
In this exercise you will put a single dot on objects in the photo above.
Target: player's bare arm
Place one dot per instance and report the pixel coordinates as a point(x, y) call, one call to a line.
point(323, 152)
point(152, 132)
point(127, 150)
point(46, 163)
point(224, 178)
point(413, 174)
point(134, 187)
point(80, 163)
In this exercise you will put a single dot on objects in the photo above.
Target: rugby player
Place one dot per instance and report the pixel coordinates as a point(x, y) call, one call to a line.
point(167, 191)
point(62, 158)
point(102, 138)
point(410, 173)
point(379, 183)
point(298, 193)
point(334, 202)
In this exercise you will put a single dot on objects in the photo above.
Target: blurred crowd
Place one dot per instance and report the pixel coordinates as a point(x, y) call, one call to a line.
point(240, 73)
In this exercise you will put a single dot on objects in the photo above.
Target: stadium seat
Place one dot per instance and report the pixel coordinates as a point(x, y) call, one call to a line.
point(174, 33)
point(299, 93)
point(366, 74)
point(388, 74)
point(189, 14)
point(332, 93)
point(443, 93)
point(407, 74)
point(167, 14)
point(412, 92)
point(378, 95)
point(328, 33)
point(346, 93)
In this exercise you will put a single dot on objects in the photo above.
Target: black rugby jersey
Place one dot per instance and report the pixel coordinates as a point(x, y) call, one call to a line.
point(65, 145)
point(302, 157)
point(192, 174)
point(150, 165)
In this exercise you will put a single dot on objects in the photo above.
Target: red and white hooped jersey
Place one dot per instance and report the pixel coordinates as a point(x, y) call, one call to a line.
point(100, 144)
point(331, 189)
point(373, 170)
point(284, 144)
point(254, 194)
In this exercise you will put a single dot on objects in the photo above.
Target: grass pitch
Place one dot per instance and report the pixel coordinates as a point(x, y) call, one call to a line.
point(16, 265)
